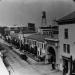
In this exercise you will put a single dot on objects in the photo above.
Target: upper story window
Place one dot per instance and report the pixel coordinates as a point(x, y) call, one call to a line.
point(42, 45)
point(66, 33)
point(49, 33)
point(66, 48)
point(34, 42)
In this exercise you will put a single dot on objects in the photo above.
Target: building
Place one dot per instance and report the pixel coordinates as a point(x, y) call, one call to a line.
point(2, 30)
point(18, 39)
point(37, 40)
point(31, 26)
point(67, 40)
point(46, 41)
point(52, 42)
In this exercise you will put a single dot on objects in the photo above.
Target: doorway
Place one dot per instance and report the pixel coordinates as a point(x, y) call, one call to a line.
point(51, 55)
point(66, 65)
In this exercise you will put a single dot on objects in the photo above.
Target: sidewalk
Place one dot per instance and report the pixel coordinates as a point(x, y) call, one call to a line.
point(46, 70)
point(17, 51)
point(30, 60)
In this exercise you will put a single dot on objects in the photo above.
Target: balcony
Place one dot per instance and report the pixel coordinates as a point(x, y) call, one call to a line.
point(53, 38)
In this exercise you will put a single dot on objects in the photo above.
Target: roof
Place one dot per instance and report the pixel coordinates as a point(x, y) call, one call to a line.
point(27, 31)
point(46, 27)
point(39, 37)
point(49, 27)
point(68, 19)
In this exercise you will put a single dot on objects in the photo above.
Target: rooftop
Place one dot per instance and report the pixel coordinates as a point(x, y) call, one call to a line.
point(68, 19)
point(49, 27)
point(39, 37)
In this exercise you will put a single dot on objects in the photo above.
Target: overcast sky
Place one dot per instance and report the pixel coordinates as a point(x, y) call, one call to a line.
point(24, 11)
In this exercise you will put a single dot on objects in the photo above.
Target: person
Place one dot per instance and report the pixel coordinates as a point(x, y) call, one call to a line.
point(64, 69)
point(53, 63)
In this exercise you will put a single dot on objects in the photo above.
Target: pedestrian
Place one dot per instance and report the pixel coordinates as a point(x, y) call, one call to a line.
point(53, 65)
point(64, 70)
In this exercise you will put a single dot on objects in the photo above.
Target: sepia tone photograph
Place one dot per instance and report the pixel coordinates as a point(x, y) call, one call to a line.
point(37, 37)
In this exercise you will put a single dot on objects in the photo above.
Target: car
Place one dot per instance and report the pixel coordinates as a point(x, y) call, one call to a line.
point(11, 47)
point(1, 48)
point(24, 57)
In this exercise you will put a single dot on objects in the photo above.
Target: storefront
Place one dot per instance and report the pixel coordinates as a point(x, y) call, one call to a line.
point(67, 65)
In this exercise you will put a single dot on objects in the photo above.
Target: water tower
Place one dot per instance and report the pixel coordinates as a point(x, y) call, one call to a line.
point(44, 21)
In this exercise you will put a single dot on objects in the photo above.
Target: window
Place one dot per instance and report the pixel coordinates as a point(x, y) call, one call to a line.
point(24, 40)
point(52, 34)
point(66, 48)
point(44, 33)
point(66, 33)
point(42, 45)
point(34, 42)
point(49, 33)
point(37, 44)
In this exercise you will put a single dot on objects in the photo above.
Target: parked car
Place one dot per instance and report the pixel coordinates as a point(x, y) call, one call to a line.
point(24, 57)
point(2, 50)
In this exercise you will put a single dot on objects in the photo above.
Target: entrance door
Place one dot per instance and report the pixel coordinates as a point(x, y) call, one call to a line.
point(51, 55)
point(66, 65)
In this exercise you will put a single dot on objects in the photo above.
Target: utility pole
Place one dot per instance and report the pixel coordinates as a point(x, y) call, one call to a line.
point(20, 35)
point(71, 65)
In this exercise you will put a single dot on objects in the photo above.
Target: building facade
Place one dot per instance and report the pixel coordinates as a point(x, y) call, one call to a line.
point(67, 41)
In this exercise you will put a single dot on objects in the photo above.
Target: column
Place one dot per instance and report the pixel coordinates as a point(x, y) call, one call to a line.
point(46, 57)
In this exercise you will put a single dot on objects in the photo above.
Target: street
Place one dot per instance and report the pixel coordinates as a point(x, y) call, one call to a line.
point(21, 67)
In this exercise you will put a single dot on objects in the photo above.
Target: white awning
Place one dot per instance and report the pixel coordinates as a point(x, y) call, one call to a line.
point(3, 70)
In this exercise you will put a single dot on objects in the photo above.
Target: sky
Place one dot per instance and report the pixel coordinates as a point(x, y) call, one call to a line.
point(24, 11)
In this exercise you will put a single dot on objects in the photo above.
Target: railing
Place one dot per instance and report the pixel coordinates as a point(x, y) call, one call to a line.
point(54, 38)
